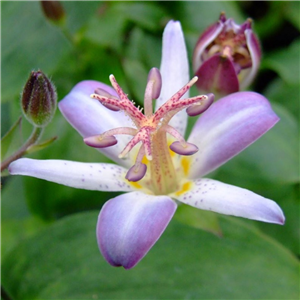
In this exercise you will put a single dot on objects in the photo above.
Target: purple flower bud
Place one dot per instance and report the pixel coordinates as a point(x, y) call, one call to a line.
point(38, 99)
point(53, 11)
point(226, 57)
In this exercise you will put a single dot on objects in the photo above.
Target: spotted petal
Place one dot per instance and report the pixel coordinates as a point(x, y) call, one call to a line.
point(130, 224)
point(174, 70)
point(226, 128)
point(91, 118)
point(226, 199)
point(88, 176)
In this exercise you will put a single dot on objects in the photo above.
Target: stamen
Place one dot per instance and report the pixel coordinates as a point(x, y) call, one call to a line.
point(107, 138)
point(102, 92)
point(184, 149)
point(98, 141)
point(136, 172)
point(200, 107)
point(144, 136)
point(152, 91)
point(155, 76)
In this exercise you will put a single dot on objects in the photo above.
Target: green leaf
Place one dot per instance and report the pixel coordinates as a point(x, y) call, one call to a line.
point(287, 95)
point(40, 146)
point(292, 12)
point(201, 219)
point(285, 62)
point(108, 27)
point(9, 138)
point(136, 75)
point(63, 262)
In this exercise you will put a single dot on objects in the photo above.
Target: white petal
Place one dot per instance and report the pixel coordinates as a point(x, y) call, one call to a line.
point(174, 70)
point(227, 199)
point(89, 117)
point(88, 176)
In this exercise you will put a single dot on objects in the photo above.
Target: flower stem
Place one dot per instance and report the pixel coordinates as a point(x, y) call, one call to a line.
point(35, 135)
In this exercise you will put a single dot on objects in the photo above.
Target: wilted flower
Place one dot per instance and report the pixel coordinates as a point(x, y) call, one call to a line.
point(39, 99)
point(151, 173)
point(226, 57)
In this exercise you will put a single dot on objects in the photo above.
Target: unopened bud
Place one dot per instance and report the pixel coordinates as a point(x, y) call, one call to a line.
point(39, 99)
point(53, 10)
point(226, 57)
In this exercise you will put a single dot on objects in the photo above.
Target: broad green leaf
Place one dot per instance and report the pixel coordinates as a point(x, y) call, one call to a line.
point(136, 75)
point(292, 12)
point(285, 62)
point(197, 218)
point(30, 41)
point(63, 262)
point(108, 27)
point(287, 95)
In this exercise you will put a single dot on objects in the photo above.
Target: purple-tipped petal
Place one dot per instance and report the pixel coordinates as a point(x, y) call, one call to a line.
point(88, 176)
point(187, 149)
point(174, 70)
point(97, 141)
point(217, 75)
point(255, 53)
point(89, 117)
point(205, 39)
point(227, 199)
point(199, 108)
point(155, 75)
point(227, 127)
point(136, 172)
point(130, 224)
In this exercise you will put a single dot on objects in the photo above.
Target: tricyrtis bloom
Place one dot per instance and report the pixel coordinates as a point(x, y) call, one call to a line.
point(156, 165)
point(226, 57)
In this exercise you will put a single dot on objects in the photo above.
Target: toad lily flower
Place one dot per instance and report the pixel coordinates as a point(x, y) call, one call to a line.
point(226, 57)
point(156, 165)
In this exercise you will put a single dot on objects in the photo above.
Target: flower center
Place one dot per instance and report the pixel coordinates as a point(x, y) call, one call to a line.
point(151, 130)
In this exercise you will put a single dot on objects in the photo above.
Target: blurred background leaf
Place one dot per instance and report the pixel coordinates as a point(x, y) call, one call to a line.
point(63, 262)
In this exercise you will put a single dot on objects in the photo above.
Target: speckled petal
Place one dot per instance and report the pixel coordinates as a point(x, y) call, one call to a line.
point(88, 176)
point(130, 224)
point(229, 126)
point(227, 199)
point(174, 70)
point(89, 117)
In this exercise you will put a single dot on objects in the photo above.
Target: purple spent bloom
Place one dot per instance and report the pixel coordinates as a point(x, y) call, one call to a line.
point(226, 57)
point(153, 174)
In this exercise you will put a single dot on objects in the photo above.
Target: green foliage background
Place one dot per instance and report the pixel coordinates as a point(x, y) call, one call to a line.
point(49, 249)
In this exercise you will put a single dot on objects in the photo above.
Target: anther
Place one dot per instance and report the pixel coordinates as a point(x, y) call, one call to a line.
point(184, 148)
point(97, 141)
point(200, 107)
point(136, 172)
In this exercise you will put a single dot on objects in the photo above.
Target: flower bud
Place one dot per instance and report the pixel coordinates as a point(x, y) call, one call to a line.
point(226, 57)
point(38, 99)
point(53, 11)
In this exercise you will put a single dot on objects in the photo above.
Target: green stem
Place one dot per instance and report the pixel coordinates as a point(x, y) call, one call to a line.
point(35, 135)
